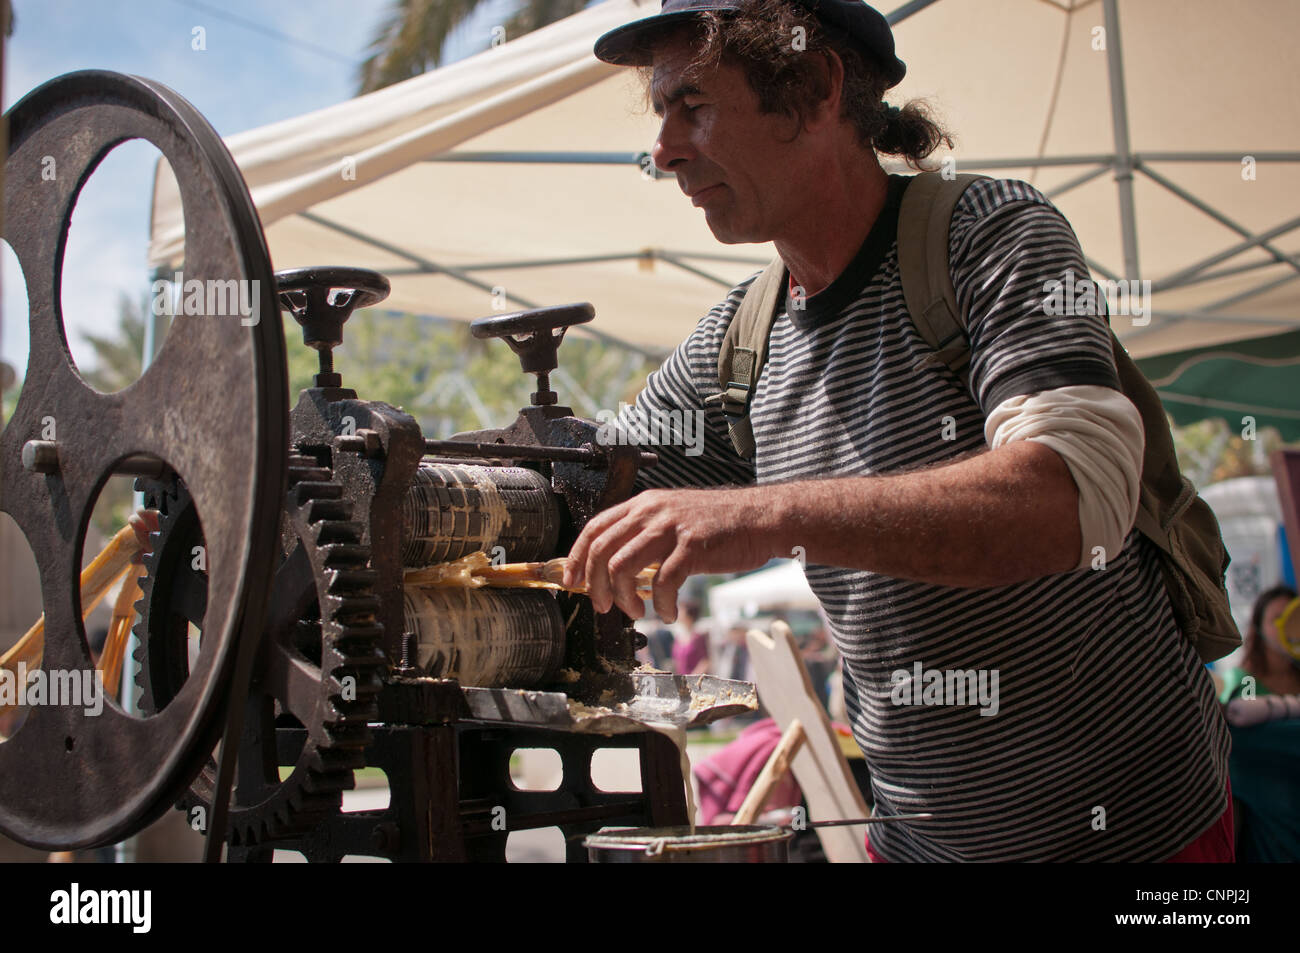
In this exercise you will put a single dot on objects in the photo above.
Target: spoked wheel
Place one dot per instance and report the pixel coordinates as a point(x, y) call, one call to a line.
point(213, 406)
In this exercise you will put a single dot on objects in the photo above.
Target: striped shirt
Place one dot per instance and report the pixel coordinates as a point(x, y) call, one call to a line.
point(1106, 743)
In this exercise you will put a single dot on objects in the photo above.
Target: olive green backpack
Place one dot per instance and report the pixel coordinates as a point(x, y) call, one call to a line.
point(1170, 513)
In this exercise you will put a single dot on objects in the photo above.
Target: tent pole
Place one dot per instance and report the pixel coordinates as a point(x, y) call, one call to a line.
point(1014, 162)
point(1250, 293)
point(1225, 273)
point(1216, 156)
point(1123, 149)
point(700, 272)
point(1172, 281)
point(1078, 181)
point(434, 268)
point(1218, 216)
point(906, 10)
point(1100, 269)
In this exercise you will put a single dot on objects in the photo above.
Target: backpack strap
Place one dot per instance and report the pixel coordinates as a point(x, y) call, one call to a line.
point(931, 300)
point(923, 221)
point(1179, 523)
point(744, 352)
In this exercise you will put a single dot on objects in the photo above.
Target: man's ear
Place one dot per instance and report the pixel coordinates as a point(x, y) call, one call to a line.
point(830, 81)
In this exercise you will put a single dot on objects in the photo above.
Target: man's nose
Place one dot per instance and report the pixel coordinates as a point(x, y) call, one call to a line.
point(671, 145)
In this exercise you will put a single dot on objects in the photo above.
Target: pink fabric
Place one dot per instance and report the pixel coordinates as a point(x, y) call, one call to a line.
point(726, 777)
point(688, 653)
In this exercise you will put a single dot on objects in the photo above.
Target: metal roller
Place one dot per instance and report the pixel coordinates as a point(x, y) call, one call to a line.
point(451, 511)
point(485, 637)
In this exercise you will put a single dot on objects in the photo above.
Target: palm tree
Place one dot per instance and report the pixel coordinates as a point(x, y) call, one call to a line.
point(410, 41)
point(118, 358)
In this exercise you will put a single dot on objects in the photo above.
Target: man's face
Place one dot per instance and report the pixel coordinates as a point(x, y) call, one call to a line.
point(734, 161)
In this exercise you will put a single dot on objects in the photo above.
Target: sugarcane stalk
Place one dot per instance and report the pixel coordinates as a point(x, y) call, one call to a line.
point(96, 580)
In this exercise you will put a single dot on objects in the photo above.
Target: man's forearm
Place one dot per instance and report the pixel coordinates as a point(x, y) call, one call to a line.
point(1002, 517)
point(995, 519)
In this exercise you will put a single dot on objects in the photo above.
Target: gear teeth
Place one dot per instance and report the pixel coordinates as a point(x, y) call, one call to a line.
point(331, 783)
point(319, 510)
point(312, 491)
point(362, 639)
point(311, 474)
point(338, 531)
point(346, 555)
point(361, 666)
point(351, 648)
point(169, 499)
point(356, 609)
point(348, 581)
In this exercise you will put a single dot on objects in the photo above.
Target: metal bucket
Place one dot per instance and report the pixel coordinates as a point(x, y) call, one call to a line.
point(677, 845)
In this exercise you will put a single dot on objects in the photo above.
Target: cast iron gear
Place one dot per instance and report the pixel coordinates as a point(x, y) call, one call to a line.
point(319, 667)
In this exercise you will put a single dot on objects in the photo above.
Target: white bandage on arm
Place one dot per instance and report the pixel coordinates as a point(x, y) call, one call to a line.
point(1098, 433)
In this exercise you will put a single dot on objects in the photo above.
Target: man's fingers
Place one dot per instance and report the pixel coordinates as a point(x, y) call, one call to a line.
point(642, 550)
point(600, 585)
point(668, 580)
point(575, 571)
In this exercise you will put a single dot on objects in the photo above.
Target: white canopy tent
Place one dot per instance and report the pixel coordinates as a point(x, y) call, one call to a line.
point(1168, 131)
point(780, 587)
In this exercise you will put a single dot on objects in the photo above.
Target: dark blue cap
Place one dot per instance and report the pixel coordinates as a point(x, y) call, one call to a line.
point(629, 45)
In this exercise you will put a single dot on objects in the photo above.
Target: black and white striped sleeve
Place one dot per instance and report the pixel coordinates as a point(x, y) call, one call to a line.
point(671, 418)
point(1016, 266)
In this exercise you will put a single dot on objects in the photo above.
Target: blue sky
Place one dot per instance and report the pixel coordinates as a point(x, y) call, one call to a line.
point(264, 60)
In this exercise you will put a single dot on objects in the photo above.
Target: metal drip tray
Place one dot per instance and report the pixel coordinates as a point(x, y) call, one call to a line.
point(623, 703)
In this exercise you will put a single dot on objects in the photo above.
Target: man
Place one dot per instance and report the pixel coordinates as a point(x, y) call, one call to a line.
point(947, 530)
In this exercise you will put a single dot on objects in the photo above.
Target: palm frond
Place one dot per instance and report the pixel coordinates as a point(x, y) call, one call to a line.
point(410, 40)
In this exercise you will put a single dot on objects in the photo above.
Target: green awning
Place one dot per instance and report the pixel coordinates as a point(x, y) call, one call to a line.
point(1258, 378)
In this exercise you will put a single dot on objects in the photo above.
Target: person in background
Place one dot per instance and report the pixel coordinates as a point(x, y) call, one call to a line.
point(1263, 712)
point(1267, 667)
point(658, 651)
point(819, 657)
point(690, 642)
point(733, 660)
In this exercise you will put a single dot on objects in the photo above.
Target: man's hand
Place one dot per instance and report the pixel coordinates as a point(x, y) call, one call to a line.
point(143, 523)
point(685, 531)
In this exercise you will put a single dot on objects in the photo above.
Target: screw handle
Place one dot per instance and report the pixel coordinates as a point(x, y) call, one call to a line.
point(532, 335)
point(321, 299)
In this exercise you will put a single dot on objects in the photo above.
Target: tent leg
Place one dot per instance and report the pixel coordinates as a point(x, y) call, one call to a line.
point(1123, 149)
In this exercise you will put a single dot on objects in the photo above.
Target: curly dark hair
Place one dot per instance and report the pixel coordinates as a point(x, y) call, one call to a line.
point(783, 49)
point(1253, 643)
